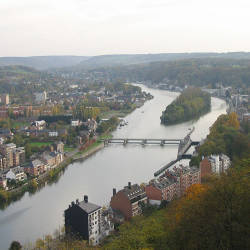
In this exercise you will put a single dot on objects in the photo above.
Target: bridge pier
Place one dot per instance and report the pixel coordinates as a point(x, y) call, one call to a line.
point(144, 142)
point(125, 141)
point(106, 142)
point(162, 142)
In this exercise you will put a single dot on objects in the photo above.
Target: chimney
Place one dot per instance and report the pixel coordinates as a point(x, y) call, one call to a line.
point(77, 201)
point(114, 191)
point(129, 185)
point(72, 203)
point(86, 198)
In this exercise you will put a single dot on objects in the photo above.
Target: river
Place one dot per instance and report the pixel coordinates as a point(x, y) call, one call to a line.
point(42, 213)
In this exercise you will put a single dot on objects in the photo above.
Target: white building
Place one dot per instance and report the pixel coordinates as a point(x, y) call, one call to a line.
point(41, 97)
point(220, 163)
point(75, 123)
point(17, 174)
point(53, 133)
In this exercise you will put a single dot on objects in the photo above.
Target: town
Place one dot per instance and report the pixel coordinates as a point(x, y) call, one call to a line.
point(41, 134)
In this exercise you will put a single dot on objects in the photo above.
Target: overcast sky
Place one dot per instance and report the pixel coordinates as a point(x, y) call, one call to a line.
point(96, 27)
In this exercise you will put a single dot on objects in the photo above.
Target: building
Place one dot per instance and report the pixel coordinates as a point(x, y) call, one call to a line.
point(128, 200)
point(3, 182)
point(75, 123)
point(16, 173)
point(38, 125)
point(35, 168)
point(205, 167)
point(7, 151)
point(58, 147)
point(173, 183)
point(163, 189)
point(3, 163)
point(219, 163)
point(5, 99)
point(40, 98)
point(52, 159)
point(87, 220)
point(18, 156)
point(53, 134)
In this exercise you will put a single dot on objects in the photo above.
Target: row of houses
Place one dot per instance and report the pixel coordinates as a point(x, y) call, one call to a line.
point(38, 165)
point(86, 219)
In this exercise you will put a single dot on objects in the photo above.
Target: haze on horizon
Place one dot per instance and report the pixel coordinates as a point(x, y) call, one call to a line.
point(97, 27)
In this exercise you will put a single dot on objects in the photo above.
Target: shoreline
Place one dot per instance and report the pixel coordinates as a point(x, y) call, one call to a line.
point(34, 185)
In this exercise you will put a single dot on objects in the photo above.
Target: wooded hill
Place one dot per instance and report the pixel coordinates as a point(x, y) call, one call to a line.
point(191, 104)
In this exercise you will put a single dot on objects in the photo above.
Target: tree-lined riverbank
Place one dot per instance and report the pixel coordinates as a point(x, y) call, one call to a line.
point(191, 104)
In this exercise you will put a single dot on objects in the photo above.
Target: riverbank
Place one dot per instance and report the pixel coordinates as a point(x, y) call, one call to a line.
point(37, 183)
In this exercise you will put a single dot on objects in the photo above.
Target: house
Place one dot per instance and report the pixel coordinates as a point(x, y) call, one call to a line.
point(128, 200)
point(35, 168)
point(52, 159)
point(75, 123)
point(162, 189)
point(16, 173)
point(38, 125)
point(87, 220)
point(53, 133)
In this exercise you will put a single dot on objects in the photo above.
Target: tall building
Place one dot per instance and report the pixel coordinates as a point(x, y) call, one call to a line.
point(40, 98)
point(7, 151)
point(128, 200)
point(5, 99)
point(87, 220)
point(18, 156)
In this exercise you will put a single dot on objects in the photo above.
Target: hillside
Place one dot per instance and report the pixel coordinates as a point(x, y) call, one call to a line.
point(43, 62)
point(131, 59)
point(195, 72)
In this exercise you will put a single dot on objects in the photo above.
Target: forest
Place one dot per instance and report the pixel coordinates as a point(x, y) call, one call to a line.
point(192, 72)
point(226, 136)
point(191, 104)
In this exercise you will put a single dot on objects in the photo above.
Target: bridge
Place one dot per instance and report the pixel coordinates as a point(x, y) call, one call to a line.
point(125, 141)
point(184, 145)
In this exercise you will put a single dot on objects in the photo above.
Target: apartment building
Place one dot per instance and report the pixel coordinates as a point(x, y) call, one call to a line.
point(128, 200)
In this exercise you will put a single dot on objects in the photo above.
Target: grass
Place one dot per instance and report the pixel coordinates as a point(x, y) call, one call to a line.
point(17, 124)
point(68, 149)
point(117, 113)
point(40, 144)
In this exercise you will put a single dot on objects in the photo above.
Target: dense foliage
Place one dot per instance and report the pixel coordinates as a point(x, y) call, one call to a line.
point(108, 126)
point(195, 72)
point(225, 137)
point(210, 216)
point(189, 105)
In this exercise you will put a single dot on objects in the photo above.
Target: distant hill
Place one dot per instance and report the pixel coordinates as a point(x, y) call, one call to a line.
point(120, 60)
point(85, 62)
point(43, 62)
point(17, 71)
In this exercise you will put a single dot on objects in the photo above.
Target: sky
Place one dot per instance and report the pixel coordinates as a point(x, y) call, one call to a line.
point(98, 27)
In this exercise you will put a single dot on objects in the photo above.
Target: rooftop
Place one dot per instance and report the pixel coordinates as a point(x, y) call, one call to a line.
point(88, 207)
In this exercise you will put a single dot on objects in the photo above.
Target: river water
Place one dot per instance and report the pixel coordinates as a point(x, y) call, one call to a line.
point(42, 213)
